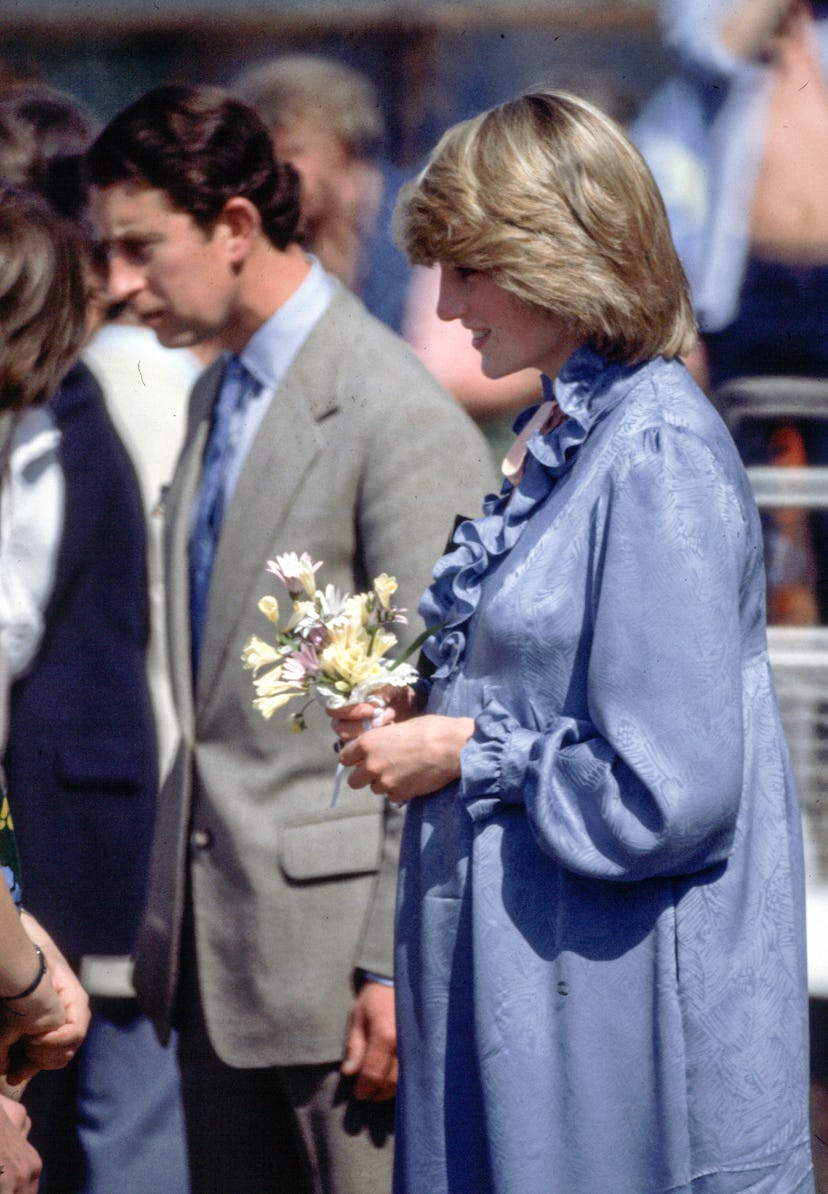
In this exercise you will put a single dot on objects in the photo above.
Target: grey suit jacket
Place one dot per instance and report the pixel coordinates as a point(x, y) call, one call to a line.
point(363, 461)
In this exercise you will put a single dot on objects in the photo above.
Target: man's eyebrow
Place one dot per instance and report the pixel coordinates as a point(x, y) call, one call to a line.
point(138, 235)
point(132, 240)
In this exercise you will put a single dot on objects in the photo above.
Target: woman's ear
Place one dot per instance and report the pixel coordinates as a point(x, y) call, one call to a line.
point(239, 223)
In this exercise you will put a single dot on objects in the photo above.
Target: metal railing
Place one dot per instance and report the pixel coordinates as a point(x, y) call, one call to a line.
point(798, 654)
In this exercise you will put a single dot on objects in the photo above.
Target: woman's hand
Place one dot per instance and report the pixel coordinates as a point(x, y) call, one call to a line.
point(55, 1017)
point(398, 704)
point(24, 1020)
point(20, 1165)
point(407, 759)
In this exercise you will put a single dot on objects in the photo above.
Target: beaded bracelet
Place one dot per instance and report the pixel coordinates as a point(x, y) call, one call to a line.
point(32, 987)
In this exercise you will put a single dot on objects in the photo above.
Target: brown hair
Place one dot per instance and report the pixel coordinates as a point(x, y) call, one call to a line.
point(42, 299)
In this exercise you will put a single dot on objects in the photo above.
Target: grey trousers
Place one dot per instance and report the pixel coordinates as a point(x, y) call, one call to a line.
point(283, 1130)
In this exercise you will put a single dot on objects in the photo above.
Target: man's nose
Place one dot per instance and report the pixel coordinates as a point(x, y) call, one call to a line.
point(125, 280)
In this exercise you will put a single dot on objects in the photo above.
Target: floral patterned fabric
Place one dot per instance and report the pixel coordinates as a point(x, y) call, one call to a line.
point(600, 938)
point(9, 857)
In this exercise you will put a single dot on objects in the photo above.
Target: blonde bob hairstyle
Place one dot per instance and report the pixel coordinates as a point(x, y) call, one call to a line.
point(42, 299)
point(548, 196)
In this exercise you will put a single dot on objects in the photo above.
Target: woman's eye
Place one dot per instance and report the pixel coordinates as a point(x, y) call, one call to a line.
point(465, 272)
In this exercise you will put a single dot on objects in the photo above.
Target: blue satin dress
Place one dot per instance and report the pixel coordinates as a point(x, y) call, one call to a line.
point(600, 940)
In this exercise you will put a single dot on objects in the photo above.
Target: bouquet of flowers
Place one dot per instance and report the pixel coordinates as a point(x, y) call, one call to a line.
point(334, 646)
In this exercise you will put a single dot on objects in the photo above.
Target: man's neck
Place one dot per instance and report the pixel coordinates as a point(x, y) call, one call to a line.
point(269, 277)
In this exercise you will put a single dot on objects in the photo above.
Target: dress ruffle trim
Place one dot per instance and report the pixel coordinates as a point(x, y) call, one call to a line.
point(586, 389)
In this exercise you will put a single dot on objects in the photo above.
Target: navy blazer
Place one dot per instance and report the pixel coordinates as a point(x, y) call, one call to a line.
point(81, 759)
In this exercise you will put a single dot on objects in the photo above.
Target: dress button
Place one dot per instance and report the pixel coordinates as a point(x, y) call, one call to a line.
point(201, 839)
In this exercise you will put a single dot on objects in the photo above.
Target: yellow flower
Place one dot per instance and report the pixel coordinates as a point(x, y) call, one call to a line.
point(268, 705)
point(258, 654)
point(304, 614)
point(332, 643)
point(272, 692)
point(382, 642)
point(353, 612)
point(348, 655)
point(364, 606)
point(385, 587)
point(270, 608)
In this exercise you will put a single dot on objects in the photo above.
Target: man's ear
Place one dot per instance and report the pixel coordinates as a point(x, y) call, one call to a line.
point(239, 223)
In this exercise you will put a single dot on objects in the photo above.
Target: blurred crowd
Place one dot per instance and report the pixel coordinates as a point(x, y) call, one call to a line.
point(93, 422)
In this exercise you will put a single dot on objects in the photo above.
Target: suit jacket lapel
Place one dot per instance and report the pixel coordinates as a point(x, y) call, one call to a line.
point(179, 505)
point(286, 444)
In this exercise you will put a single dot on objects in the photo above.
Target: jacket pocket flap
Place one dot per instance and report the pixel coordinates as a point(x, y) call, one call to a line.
point(338, 846)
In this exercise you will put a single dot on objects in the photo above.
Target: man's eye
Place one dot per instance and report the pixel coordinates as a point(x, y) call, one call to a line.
point(136, 253)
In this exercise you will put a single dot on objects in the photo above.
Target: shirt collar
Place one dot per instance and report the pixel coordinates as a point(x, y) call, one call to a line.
point(272, 349)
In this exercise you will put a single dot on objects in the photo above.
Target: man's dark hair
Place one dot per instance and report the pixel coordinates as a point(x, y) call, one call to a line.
point(201, 146)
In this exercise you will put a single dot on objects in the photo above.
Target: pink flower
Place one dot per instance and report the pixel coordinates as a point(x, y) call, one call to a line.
point(297, 573)
point(301, 665)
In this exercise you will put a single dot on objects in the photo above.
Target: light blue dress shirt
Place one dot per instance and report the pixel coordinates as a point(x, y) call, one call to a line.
point(271, 351)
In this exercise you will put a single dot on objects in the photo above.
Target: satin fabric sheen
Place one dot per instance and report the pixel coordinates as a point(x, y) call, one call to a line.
point(600, 960)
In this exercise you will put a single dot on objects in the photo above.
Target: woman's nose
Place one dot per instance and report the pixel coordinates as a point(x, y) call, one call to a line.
point(449, 300)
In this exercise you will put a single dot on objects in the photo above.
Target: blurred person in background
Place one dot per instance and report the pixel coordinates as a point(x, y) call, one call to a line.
point(737, 139)
point(325, 119)
point(81, 744)
point(44, 1012)
point(146, 388)
point(737, 143)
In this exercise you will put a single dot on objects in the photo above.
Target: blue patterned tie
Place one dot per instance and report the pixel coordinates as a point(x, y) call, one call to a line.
point(236, 388)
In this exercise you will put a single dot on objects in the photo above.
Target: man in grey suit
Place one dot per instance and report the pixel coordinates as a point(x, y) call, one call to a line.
point(267, 937)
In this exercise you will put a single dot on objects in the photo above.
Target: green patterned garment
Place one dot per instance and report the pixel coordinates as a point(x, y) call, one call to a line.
point(9, 858)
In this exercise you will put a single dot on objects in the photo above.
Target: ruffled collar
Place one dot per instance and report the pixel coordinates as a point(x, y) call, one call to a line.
point(586, 389)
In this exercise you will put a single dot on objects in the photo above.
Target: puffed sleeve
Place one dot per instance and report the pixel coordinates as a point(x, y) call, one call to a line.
point(650, 782)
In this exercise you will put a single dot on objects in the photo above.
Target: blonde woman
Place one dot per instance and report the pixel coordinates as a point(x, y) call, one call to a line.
point(600, 962)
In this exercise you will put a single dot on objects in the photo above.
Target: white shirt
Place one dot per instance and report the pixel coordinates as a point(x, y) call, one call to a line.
point(32, 504)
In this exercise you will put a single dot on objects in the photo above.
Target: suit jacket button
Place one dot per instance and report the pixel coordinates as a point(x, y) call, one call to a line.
point(201, 839)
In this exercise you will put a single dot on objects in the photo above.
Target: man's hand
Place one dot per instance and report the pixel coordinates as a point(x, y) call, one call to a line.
point(20, 1165)
point(371, 1044)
